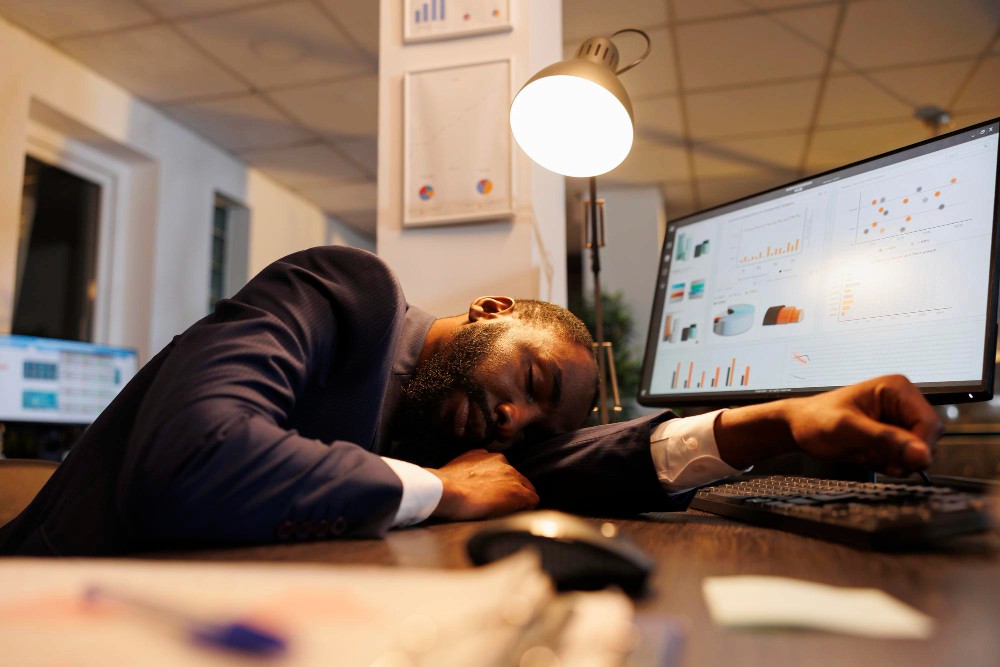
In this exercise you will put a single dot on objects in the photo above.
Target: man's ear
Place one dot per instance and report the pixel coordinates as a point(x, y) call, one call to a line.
point(490, 308)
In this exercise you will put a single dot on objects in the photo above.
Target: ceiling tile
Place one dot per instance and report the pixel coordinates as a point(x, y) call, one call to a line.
point(767, 157)
point(279, 45)
point(155, 63)
point(650, 162)
point(837, 147)
point(52, 19)
point(362, 151)
point(586, 18)
point(983, 91)
point(678, 199)
point(659, 119)
point(344, 198)
point(966, 118)
point(756, 48)
point(187, 8)
point(893, 32)
point(685, 10)
point(359, 19)
point(346, 108)
point(851, 98)
point(927, 84)
point(303, 166)
point(767, 108)
point(656, 74)
point(715, 191)
point(240, 122)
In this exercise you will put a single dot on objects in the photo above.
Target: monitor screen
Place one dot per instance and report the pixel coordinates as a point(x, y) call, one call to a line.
point(882, 266)
point(60, 381)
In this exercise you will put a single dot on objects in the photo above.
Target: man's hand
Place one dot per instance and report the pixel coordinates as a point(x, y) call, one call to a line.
point(480, 485)
point(884, 423)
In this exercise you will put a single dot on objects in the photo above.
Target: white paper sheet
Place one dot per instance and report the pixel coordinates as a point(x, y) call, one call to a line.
point(767, 602)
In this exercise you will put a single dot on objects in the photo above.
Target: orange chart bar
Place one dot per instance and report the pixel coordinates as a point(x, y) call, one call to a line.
point(687, 384)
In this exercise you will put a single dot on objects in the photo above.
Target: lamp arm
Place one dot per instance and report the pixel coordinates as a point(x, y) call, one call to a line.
point(649, 47)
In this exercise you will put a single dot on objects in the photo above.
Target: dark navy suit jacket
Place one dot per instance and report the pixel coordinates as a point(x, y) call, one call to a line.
point(265, 420)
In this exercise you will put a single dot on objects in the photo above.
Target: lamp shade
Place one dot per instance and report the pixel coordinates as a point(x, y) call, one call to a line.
point(574, 117)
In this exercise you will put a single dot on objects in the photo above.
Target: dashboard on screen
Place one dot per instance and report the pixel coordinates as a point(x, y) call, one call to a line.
point(883, 266)
point(45, 380)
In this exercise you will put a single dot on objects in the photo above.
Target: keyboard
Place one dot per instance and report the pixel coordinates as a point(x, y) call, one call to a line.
point(870, 515)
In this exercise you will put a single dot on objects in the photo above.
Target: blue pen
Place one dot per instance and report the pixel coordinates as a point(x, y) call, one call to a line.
point(235, 636)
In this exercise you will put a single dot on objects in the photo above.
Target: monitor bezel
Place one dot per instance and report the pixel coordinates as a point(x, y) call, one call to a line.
point(936, 393)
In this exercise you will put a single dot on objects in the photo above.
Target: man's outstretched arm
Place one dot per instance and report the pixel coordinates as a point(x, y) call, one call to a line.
point(885, 423)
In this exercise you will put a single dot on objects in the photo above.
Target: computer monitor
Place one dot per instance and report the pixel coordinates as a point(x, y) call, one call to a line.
point(44, 380)
point(887, 265)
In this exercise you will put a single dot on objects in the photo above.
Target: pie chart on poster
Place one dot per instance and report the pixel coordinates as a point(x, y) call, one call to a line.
point(485, 186)
point(426, 192)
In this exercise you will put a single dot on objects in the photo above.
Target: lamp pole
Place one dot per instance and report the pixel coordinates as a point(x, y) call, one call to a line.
point(595, 267)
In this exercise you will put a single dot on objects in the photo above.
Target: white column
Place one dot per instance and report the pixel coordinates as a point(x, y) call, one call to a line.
point(443, 268)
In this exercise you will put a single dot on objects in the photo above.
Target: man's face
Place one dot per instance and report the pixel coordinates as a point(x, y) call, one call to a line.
point(496, 384)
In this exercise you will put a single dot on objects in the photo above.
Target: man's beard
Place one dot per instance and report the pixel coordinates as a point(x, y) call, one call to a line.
point(421, 435)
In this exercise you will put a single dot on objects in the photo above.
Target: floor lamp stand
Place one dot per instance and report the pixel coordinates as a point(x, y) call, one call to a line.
point(593, 239)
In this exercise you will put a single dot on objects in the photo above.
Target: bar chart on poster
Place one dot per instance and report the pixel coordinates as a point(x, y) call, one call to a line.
point(427, 20)
point(883, 268)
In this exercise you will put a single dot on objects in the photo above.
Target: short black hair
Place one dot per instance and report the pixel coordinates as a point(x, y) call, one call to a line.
point(545, 315)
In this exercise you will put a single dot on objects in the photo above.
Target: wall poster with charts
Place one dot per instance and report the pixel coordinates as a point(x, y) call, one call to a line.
point(457, 146)
point(430, 20)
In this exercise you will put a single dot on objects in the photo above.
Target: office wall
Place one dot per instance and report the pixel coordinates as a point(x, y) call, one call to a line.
point(167, 177)
point(443, 268)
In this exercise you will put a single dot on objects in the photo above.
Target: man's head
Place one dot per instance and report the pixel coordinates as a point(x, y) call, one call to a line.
point(508, 371)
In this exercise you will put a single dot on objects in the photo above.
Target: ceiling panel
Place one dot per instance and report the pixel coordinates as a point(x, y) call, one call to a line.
point(53, 19)
point(238, 123)
point(785, 107)
point(757, 48)
point(345, 108)
point(891, 32)
point(300, 167)
point(659, 119)
point(851, 98)
point(685, 10)
point(359, 19)
point(780, 155)
point(280, 45)
point(586, 18)
point(983, 90)
point(362, 151)
point(650, 162)
point(927, 84)
point(656, 74)
point(189, 8)
point(836, 147)
point(715, 191)
point(678, 199)
point(155, 63)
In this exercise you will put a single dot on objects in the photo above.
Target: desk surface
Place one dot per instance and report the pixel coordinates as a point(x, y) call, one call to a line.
point(959, 586)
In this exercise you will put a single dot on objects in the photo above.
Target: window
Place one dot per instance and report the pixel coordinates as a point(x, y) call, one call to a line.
point(55, 285)
point(230, 250)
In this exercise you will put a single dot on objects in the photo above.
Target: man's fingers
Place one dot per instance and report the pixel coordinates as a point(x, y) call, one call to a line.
point(908, 407)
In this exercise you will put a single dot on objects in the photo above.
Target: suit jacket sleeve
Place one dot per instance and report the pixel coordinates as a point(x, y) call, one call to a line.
point(214, 456)
point(602, 470)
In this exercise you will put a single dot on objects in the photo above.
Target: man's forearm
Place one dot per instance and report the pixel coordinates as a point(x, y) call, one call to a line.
point(751, 434)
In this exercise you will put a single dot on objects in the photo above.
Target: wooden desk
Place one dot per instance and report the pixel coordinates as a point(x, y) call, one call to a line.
point(959, 586)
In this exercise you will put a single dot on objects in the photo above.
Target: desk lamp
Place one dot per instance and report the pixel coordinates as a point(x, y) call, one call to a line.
point(575, 118)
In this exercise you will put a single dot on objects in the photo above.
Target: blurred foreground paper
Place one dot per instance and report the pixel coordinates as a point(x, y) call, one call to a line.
point(768, 602)
point(330, 615)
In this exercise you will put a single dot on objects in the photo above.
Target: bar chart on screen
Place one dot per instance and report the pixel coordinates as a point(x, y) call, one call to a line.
point(773, 238)
point(700, 375)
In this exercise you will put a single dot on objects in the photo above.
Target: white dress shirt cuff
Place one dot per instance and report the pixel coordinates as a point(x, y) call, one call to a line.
point(685, 454)
point(421, 492)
